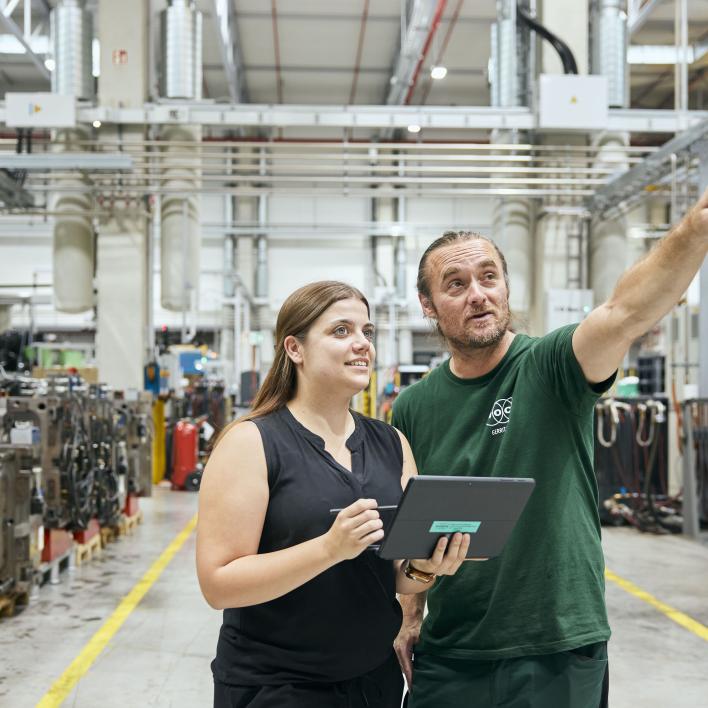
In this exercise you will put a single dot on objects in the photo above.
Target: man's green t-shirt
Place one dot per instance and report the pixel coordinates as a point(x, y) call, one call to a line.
point(531, 416)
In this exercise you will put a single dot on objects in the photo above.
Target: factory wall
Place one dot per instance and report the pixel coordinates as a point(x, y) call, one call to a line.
point(296, 256)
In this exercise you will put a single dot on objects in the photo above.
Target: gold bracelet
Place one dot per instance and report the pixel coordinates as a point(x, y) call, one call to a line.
point(411, 572)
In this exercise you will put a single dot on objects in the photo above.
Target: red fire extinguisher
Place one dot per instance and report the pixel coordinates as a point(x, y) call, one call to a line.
point(186, 473)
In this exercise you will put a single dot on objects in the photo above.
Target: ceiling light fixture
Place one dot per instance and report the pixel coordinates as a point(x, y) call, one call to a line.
point(438, 72)
point(414, 128)
point(97, 124)
point(50, 64)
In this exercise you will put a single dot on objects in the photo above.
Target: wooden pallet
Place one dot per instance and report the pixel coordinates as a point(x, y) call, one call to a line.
point(85, 552)
point(108, 535)
point(125, 526)
point(128, 523)
point(8, 603)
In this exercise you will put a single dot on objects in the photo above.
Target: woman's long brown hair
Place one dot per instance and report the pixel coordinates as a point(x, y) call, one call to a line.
point(296, 316)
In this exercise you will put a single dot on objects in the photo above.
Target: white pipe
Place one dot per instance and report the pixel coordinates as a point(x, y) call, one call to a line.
point(194, 310)
point(238, 306)
point(684, 55)
point(681, 66)
point(247, 325)
point(401, 264)
point(152, 231)
point(391, 353)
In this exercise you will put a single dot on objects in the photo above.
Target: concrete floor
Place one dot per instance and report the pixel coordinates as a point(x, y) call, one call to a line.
point(161, 655)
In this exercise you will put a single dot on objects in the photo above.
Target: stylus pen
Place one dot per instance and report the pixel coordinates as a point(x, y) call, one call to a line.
point(378, 508)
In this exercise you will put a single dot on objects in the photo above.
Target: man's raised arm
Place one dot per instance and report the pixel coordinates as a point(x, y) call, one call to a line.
point(642, 296)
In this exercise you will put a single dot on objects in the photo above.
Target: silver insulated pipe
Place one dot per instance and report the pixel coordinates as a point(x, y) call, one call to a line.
point(180, 237)
point(181, 51)
point(73, 236)
point(510, 61)
point(608, 48)
point(71, 35)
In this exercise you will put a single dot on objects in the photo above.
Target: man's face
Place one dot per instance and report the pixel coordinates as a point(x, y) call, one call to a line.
point(470, 300)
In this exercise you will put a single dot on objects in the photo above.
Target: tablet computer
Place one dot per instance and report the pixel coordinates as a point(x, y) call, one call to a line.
point(432, 506)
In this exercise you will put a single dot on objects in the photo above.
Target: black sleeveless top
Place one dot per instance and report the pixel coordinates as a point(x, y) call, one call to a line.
point(342, 623)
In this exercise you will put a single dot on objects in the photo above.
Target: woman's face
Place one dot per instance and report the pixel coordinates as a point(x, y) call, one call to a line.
point(338, 350)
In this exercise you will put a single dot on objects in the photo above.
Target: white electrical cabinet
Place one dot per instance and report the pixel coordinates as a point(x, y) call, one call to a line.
point(571, 101)
point(564, 307)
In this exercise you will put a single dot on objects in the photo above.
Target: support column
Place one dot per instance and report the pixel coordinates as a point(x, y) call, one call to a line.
point(5, 317)
point(245, 213)
point(701, 150)
point(383, 260)
point(551, 269)
point(121, 277)
point(512, 232)
point(228, 310)
point(405, 335)
point(121, 281)
point(703, 333)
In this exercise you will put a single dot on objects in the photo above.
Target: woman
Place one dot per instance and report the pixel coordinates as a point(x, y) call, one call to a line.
point(309, 615)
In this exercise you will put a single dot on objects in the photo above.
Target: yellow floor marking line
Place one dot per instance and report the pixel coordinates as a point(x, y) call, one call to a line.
point(700, 630)
point(63, 686)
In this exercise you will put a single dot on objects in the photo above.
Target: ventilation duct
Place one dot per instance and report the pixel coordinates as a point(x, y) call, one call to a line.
point(73, 242)
point(181, 54)
point(608, 242)
point(180, 237)
point(180, 77)
point(72, 34)
point(608, 48)
point(510, 63)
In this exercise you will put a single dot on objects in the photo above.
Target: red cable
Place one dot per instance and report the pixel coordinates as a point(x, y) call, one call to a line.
point(362, 32)
point(443, 47)
point(426, 47)
point(276, 46)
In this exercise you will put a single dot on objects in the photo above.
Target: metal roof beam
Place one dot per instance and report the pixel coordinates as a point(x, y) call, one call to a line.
point(10, 8)
point(11, 27)
point(12, 194)
point(638, 15)
point(651, 170)
point(369, 117)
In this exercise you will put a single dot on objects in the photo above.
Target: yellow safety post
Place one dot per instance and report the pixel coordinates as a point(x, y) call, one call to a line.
point(370, 398)
point(159, 457)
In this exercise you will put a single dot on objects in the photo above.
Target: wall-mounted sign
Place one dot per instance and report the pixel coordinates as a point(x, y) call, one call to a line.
point(119, 56)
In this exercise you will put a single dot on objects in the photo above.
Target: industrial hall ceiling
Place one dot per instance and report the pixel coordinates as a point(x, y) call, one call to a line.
point(343, 52)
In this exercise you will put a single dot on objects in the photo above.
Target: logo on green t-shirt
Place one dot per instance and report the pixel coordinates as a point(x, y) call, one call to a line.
point(499, 415)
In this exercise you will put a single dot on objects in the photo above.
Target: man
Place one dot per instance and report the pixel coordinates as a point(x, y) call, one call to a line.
point(527, 629)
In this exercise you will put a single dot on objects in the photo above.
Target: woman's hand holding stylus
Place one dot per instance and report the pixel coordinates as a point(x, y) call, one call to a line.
point(355, 527)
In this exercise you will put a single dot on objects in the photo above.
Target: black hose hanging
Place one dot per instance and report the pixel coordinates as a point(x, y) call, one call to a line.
point(566, 56)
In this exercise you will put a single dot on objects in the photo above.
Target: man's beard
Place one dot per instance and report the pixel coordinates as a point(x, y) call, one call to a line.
point(478, 341)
